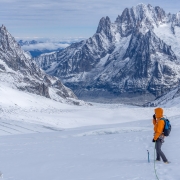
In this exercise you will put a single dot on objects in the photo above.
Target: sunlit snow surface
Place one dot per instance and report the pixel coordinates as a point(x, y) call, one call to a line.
point(46, 140)
point(165, 33)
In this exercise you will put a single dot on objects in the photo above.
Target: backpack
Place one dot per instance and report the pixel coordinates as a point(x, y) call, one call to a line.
point(167, 127)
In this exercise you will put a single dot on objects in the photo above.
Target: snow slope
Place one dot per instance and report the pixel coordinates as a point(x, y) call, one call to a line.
point(173, 39)
point(42, 139)
point(108, 152)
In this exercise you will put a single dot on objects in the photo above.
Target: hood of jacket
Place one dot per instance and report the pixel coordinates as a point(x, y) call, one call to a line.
point(159, 112)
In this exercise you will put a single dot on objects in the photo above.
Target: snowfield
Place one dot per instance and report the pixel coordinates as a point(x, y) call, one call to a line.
point(42, 139)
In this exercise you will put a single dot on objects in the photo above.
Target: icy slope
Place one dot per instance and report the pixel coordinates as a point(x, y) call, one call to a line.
point(31, 108)
point(171, 38)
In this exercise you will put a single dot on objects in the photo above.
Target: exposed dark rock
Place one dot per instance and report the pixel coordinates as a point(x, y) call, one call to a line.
point(24, 74)
point(105, 27)
point(123, 59)
point(2, 67)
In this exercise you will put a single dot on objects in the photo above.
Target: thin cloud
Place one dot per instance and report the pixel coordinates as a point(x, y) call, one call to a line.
point(44, 46)
point(7, 1)
point(62, 18)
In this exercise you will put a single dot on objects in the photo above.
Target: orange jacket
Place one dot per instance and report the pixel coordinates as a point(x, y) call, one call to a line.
point(158, 123)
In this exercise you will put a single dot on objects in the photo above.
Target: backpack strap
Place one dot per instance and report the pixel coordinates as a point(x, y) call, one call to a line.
point(166, 121)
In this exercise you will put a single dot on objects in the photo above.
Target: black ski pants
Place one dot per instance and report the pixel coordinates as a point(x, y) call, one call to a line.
point(159, 153)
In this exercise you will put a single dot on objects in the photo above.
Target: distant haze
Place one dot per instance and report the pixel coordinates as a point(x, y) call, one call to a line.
point(39, 46)
point(65, 18)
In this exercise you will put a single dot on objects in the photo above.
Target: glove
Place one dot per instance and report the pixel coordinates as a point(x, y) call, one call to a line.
point(153, 140)
point(154, 116)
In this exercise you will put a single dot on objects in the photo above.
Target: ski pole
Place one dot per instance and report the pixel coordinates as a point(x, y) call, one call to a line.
point(148, 156)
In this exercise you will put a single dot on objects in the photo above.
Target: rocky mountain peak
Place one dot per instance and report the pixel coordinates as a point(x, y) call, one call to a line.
point(104, 22)
point(5, 37)
point(160, 14)
point(4, 32)
point(139, 8)
point(18, 71)
point(132, 57)
point(142, 16)
point(104, 28)
point(3, 28)
point(178, 19)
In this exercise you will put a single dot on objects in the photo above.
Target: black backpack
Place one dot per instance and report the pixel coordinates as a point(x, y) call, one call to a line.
point(167, 127)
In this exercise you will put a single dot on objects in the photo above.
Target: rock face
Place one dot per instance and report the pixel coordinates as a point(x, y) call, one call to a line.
point(170, 99)
point(18, 71)
point(134, 60)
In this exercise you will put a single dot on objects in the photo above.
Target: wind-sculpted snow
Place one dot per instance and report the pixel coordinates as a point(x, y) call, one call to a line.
point(18, 71)
point(137, 57)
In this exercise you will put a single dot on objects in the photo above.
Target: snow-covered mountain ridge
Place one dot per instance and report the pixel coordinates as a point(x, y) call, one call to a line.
point(170, 99)
point(18, 71)
point(134, 59)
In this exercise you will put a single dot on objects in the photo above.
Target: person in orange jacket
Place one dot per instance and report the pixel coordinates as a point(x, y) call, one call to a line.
point(158, 134)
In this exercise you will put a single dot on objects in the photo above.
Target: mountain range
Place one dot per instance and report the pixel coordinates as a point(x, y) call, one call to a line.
point(18, 71)
point(135, 59)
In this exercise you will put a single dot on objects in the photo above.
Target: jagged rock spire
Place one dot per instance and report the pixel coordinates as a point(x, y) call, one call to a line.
point(125, 58)
point(22, 73)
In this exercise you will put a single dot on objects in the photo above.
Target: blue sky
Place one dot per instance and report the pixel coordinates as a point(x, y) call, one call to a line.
point(66, 18)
